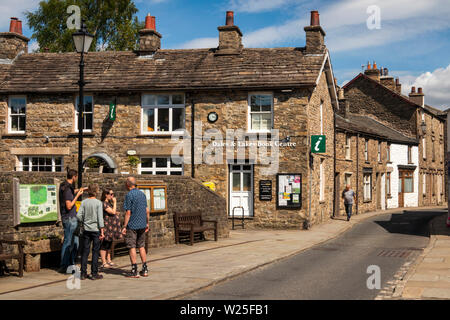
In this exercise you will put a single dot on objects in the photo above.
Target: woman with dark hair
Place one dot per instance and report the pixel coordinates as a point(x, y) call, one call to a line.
point(112, 226)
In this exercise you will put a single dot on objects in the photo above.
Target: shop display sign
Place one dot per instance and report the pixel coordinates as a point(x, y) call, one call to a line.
point(156, 198)
point(37, 203)
point(289, 190)
point(265, 190)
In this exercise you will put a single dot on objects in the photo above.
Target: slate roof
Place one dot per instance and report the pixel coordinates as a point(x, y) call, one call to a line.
point(366, 125)
point(165, 70)
point(4, 71)
point(432, 110)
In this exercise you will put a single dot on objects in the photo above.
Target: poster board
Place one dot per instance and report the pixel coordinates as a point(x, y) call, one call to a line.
point(289, 191)
point(34, 203)
point(156, 197)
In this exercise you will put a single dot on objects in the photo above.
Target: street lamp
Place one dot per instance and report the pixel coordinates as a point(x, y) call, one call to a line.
point(82, 40)
point(423, 126)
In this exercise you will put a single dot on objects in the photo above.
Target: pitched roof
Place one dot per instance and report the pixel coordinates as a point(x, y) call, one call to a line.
point(369, 126)
point(165, 70)
point(432, 110)
point(4, 71)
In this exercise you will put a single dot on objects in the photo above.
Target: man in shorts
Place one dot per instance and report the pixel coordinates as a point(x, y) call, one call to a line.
point(135, 226)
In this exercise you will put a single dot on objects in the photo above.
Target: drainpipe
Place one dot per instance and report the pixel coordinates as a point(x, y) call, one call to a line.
point(357, 174)
point(193, 140)
point(334, 164)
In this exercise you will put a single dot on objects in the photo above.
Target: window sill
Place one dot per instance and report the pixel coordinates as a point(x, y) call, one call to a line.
point(367, 201)
point(164, 134)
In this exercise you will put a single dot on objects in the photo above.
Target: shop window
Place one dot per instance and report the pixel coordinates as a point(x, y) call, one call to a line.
point(367, 179)
point(260, 112)
point(161, 166)
point(163, 113)
point(17, 114)
point(407, 177)
point(88, 114)
point(44, 163)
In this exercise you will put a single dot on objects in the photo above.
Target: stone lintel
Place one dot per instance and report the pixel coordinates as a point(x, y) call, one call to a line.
point(40, 151)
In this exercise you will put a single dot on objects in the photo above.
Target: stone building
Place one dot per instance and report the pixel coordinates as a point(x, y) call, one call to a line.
point(171, 105)
point(375, 161)
point(417, 157)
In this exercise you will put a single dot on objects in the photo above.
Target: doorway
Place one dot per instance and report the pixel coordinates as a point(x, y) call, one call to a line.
point(405, 185)
point(241, 189)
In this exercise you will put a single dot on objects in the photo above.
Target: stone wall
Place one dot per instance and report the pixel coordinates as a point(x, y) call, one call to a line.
point(11, 44)
point(183, 194)
point(357, 165)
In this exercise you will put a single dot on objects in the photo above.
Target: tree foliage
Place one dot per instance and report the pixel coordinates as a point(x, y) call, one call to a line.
point(113, 22)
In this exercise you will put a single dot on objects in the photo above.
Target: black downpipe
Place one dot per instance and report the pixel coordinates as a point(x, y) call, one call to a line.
point(193, 140)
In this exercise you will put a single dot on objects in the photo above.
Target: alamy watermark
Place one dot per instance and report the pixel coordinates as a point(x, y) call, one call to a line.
point(374, 281)
point(374, 20)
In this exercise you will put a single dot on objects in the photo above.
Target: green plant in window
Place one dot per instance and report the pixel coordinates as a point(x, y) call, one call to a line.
point(92, 163)
point(133, 161)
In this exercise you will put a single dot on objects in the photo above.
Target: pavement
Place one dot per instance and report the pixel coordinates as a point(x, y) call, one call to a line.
point(429, 277)
point(178, 271)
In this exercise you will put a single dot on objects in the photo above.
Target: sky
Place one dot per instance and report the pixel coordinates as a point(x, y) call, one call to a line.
point(410, 38)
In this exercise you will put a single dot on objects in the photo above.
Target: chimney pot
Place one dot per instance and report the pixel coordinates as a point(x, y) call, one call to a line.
point(413, 89)
point(315, 20)
point(369, 66)
point(374, 65)
point(150, 22)
point(13, 25)
point(420, 91)
point(397, 82)
point(229, 18)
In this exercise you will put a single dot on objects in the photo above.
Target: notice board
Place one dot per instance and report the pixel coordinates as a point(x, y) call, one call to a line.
point(289, 191)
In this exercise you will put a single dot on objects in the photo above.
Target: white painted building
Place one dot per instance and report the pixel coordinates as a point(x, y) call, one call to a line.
point(403, 189)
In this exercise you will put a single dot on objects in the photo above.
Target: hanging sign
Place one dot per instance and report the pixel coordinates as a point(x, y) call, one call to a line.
point(112, 111)
point(318, 144)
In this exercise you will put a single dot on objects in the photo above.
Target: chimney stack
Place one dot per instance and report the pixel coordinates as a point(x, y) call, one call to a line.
point(398, 86)
point(315, 36)
point(387, 80)
point(149, 38)
point(417, 98)
point(13, 42)
point(372, 72)
point(230, 37)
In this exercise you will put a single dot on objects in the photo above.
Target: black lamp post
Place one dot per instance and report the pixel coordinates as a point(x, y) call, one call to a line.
point(82, 40)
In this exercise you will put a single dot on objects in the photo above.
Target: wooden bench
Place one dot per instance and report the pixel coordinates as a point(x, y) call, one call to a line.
point(18, 256)
point(190, 223)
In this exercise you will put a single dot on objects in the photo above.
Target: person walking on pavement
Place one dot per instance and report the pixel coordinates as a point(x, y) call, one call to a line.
point(135, 226)
point(349, 196)
point(113, 230)
point(68, 196)
point(90, 215)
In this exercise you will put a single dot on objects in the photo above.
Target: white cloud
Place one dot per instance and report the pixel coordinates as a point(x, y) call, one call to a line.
point(16, 9)
point(346, 22)
point(436, 86)
point(257, 5)
point(200, 43)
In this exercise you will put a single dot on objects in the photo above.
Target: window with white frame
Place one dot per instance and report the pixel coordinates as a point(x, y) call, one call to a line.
point(40, 163)
point(163, 113)
point(348, 144)
point(424, 184)
point(388, 184)
point(322, 181)
point(424, 147)
point(367, 179)
point(379, 151)
point(388, 152)
point(88, 114)
point(260, 112)
point(17, 114)
point(366, 149)
point(166, 166)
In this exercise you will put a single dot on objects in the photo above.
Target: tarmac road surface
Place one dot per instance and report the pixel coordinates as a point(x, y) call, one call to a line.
point(337, 269)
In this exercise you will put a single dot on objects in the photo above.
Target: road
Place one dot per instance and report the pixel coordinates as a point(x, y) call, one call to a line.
point(336, 269)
